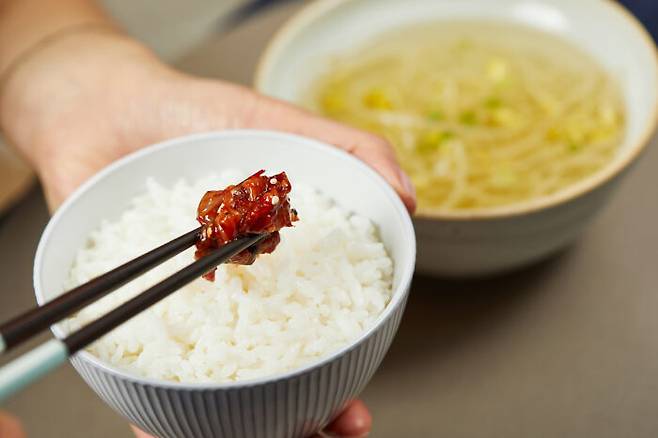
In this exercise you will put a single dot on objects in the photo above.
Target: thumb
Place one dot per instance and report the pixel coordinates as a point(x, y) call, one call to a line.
point(261, 112)
point(204, 104)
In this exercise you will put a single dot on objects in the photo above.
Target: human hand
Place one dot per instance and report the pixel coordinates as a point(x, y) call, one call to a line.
point(355, 421)
point(88, 99)
point(10, 427)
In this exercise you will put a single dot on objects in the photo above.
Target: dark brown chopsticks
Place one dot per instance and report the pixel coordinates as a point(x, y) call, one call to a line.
point(53, 353)
point(94, 330)
point(33, 321)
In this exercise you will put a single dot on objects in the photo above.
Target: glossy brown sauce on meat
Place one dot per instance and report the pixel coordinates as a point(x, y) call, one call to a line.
point(259, 204)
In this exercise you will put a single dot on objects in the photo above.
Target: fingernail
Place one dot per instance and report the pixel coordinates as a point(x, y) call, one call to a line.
point(409, 189)
point(407, 184)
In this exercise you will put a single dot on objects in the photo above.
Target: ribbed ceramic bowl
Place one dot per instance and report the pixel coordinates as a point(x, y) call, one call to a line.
point(295, 404)
point(489, 240)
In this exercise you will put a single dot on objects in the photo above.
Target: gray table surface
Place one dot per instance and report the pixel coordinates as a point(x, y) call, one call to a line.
point(567, 348)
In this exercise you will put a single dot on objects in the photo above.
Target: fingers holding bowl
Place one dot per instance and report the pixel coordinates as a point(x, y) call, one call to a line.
point(355, 421)
point(374, 150)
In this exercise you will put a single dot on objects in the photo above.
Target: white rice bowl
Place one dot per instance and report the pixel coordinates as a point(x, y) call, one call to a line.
point(326, 283)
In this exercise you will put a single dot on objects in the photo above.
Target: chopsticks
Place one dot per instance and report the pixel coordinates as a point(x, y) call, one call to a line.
point(37, 319)
point(38, 362)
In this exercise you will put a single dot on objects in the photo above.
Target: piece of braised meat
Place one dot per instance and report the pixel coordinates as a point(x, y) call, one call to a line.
point(259, 204)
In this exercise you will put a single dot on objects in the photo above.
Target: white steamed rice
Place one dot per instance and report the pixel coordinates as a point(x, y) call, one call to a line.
point(327, 282)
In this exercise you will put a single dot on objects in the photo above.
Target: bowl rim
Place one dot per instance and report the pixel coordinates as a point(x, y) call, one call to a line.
point(310, 12)
point(398, 296)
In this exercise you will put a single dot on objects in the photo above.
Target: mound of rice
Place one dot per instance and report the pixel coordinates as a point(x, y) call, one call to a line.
point(327, 282)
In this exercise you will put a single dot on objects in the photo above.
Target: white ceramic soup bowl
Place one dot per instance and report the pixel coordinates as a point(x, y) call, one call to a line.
point(294, 404)
point(491, 240)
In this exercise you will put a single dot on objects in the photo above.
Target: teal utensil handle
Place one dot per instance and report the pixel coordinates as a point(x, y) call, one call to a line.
point(2, 344)
point(31, 366)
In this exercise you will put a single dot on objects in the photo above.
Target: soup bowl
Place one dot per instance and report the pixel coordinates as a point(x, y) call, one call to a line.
point(486, 241)
point(293, 404)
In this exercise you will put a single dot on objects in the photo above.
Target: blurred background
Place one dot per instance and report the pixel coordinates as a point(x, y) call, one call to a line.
point(542, 352)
